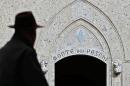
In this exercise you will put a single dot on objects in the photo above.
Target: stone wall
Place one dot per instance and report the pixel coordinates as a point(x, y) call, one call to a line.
point(106, 22)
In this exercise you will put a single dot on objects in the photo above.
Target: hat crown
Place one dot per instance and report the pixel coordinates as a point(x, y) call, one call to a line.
point(25, 19)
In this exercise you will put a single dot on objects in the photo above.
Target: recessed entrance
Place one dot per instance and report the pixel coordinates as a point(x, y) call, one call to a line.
point(80, 70)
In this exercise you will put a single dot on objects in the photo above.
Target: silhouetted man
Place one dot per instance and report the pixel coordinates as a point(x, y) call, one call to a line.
point(18, 60)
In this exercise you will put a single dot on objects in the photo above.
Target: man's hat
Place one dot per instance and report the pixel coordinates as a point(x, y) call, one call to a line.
point(25, 19)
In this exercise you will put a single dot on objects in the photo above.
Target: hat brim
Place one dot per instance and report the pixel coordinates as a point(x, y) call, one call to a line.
point(13, 26)
point(38, 26)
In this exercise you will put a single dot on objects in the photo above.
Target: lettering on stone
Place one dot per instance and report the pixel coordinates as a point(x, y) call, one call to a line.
point(69, 52)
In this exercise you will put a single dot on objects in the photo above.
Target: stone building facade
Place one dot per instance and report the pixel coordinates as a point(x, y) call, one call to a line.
point(97, 29)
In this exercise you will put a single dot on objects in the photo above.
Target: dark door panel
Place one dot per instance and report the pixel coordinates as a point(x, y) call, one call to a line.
point(80, 70)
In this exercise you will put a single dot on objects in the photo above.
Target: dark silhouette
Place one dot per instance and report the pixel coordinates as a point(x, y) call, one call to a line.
point(18, 60)
point(80, 70)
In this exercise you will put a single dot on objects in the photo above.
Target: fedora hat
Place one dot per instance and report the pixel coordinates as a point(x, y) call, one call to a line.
point(25, 19)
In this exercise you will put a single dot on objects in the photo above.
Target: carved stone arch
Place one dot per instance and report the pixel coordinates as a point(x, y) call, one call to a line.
point(98, 19)
point(88, 26)
point(83, 13)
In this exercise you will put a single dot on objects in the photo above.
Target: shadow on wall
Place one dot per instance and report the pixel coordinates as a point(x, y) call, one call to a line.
point(80, 70)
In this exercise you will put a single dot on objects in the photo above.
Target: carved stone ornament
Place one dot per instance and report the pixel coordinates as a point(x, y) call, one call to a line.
point(44, 66)
point(117, 67)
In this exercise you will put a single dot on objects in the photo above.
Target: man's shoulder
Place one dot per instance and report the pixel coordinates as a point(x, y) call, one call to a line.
point(16, 45)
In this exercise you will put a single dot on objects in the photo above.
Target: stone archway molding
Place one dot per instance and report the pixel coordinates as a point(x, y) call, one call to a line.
point(84, 13)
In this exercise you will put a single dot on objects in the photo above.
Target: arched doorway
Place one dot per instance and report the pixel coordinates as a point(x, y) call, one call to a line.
point(80, 70)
